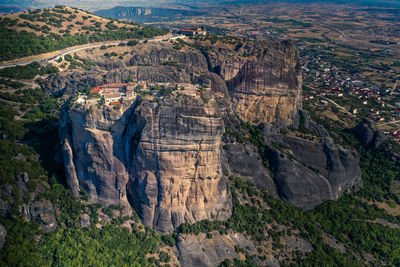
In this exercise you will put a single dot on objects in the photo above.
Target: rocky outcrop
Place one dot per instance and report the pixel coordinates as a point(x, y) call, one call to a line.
point(187, 60)
point(26, 203)
point(202, 251)
point(3, 235)
point(84, 220)
point(178, 176)
point(68, 83)
point(309, 171)
point(369, 135)
point(263, 78)
point(162, 157)
point(42, 213)
point(93, 152)
point(248, 164)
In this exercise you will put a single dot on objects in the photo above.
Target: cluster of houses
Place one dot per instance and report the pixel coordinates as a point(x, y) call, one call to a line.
point(326, 80)
point(395, 134)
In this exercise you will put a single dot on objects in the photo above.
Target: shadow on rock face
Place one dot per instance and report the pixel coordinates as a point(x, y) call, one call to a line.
point(162, 157)
point(369, 135)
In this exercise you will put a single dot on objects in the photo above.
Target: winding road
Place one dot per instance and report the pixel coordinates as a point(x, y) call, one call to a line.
point(42, 58)
point(339, 31)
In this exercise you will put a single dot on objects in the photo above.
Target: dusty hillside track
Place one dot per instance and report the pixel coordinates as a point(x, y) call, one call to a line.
point(46, 57)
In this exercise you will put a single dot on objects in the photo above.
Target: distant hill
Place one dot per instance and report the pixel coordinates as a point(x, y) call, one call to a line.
point(96, 5)
point(141, 14)
point(6, 9)
point(40, 31)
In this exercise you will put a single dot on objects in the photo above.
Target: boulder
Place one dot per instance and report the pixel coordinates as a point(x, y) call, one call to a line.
point(42, 213)
point(3, 235)
point(369, 135)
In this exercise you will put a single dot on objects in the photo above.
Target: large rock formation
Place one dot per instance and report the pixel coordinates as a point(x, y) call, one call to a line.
point(93, 151)
point(164, 156)
point(245, 162)
point(369, 135)
point(263, 78)
point(198, 250)
point(309, 173)
point(42, 211)
point(176, 170)
point(312, 168)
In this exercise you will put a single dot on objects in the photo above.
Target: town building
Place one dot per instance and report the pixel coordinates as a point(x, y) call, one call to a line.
point(193, 31)
point(116, 93)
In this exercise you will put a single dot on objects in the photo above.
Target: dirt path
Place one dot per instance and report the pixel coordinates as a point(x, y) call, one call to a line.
point(339, 106)
point(386, 123)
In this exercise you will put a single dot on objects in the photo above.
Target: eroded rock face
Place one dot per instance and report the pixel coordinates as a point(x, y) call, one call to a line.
point(263, 78)
point(42, 213)
point(248, 164)
point(369, 135)
point(163, 157)
point(68, 83)
point(176, 170)
point(201, 251)
point(307, 172)
point(3, 235)
point(93, 152)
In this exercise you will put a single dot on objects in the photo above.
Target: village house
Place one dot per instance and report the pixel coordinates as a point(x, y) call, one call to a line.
point(193, 31)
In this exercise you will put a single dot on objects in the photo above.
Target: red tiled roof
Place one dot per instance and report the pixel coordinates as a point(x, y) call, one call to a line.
point(114, 85)
point(115, 103)
point(193, 29)
point(96, 90)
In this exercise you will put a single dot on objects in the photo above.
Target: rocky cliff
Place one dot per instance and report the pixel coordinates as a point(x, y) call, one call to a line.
point(369, 135)
point(38, 210)
point(308, 167)
point(163, 155)
point(176, 169)
point(263, 78)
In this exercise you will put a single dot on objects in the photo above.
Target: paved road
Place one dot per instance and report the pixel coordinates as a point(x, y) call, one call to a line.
point(365, 42)
point(339, 31)
point(87, 46)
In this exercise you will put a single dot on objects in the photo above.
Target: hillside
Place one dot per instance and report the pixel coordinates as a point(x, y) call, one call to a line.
point(149, 14)
point(40, 31)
